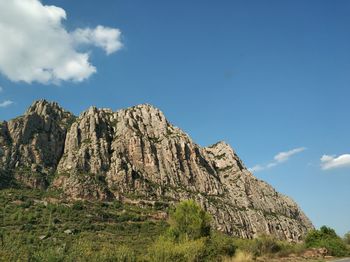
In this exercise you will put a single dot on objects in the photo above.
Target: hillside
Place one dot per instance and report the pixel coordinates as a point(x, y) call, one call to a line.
point(135, 156)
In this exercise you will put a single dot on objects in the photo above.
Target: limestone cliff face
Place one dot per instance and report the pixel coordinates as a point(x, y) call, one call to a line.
point(137, 154)
point(32, 145)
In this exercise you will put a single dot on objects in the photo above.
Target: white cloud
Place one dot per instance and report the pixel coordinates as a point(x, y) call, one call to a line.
point(6, 103)
point(103, 37)
point(35, 46)
point(256, 168)
point(331, 162)
point(284, 156)
point(278, 159)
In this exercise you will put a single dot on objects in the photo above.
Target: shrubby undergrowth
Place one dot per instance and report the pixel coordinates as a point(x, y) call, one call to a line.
point(35, 227)
point(326, 237)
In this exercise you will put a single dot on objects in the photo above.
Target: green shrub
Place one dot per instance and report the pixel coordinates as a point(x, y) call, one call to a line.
point(266, 245)
point(347, 238)
point(165, 250)
point(326, 237)
point(218, 245)
point(248, 245)
point(117, 204)
point(160, 205)
point(123, 217)
point(78, 205)
point(288, 248)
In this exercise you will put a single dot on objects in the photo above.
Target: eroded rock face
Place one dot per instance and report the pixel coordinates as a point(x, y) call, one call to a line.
point(137, 154)
point(32, 145)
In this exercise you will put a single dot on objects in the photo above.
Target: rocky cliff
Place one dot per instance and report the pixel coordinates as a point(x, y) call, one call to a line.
point(135, 154)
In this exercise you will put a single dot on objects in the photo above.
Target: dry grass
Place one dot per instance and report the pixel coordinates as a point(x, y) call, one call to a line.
point(240, 256)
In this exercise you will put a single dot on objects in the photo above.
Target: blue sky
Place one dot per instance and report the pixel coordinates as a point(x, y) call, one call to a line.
point(265, 76)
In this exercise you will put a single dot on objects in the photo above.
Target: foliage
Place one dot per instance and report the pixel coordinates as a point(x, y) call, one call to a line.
point(347, 238)
point(326, 237)
point(33, 225)
point(266, 245)
point(189, 221)
point(165, 250)
point(258, 246)
point(219, 244)
point(40, 226)
point(189, 237)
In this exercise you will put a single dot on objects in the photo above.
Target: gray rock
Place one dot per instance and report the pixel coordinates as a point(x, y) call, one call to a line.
point(136, 155)
point(32, 144)
point(68, 231)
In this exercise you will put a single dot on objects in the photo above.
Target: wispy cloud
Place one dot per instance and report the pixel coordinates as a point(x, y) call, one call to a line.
point(256, 168)
point(6, 103)
point(332, 162)
point(284, 156)
point(1, 89)
point(278, 159)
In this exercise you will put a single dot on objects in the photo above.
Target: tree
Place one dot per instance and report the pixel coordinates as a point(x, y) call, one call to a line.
point(189, 237)
point(189, 221)
point(326, 237)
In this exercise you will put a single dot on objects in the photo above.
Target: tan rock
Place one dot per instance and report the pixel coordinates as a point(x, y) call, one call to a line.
point(136, 154)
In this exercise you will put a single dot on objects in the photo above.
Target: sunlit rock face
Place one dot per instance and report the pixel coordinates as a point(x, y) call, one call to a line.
point(137, 154)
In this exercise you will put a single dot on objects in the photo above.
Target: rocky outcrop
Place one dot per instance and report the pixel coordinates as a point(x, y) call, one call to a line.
point(136, 154)
point(32, 145)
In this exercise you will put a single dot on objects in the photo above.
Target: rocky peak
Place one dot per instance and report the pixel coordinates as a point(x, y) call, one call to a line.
point(135, 153)
point(45, 108)
point(143, 118)
point(224, 158)
point(35, 140)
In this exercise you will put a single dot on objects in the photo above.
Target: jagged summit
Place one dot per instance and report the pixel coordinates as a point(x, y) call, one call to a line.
point(136, 154)
point(43, 107)
point(220, 143)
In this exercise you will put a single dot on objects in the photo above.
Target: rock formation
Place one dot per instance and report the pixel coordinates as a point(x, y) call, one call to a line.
point(137, 154)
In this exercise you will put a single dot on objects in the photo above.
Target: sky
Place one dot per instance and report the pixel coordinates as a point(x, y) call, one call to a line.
point(271, 78)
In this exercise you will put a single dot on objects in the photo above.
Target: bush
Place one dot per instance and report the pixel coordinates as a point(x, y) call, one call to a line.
point(78, 205)
point(263, 245)
point(165, 250)
point(347, 238)
point(266, 245)
point(290, 248)
point(326, 237)
point(117, 204)
point(218, 245)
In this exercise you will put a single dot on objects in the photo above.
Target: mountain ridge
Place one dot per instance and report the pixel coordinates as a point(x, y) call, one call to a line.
point(136, 153)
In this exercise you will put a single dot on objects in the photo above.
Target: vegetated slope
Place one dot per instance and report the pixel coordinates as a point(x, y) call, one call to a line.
point(136, 155)
point(39, 225)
